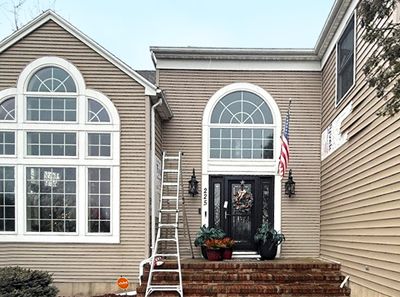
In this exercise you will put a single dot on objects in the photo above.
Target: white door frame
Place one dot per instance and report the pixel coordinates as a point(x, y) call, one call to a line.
point(240, 167)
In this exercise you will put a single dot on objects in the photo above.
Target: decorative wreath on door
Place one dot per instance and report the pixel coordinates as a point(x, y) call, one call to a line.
point(243, 200)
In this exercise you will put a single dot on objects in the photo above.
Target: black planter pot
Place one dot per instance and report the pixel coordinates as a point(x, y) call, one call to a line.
point(204, 252)
point(268, 250)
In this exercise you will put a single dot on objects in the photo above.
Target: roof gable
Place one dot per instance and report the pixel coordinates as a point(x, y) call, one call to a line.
point(150, 88)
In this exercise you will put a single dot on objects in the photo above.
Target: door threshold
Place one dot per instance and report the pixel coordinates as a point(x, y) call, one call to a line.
point(245, 255)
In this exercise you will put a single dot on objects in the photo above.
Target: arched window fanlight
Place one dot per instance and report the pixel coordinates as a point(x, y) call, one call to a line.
point(241, 108)
point(97, 112)
point(241, 127)
point(7, 110)
point(51, 79)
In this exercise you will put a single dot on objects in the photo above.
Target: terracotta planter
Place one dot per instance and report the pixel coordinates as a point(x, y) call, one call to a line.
point(227, 253)
point(214, 255)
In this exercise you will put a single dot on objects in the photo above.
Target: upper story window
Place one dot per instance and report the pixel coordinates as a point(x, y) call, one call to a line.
point(7, 110)
point(97, 113)
point(241, 127)
point(345, 61)
point(52, 151)
point(51, 79)
point(51, 96)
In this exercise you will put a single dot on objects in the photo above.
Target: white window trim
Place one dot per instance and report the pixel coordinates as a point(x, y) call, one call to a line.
point(99, 157)
point(77, 145)
point(344, 97)
point(239, 166)
point(21, 161)
point(50, 95)
point(13, 156)
point(7, 94)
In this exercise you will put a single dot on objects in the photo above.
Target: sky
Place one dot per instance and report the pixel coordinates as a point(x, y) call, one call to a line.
point(127, 28)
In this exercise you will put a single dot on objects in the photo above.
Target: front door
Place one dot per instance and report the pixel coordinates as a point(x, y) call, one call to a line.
point(239, 204)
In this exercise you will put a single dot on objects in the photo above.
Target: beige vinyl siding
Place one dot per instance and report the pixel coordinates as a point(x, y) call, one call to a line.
point(360, 188)
point(159, 135)
point(91, 262)
point(188, 92)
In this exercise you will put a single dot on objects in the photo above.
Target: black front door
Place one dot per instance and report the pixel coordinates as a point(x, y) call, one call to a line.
point(239, 204)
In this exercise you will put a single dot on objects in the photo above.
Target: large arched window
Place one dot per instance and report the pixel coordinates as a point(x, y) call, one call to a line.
point(241, 127)
point(59, 158)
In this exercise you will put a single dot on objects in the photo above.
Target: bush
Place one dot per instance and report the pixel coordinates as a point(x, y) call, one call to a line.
point(20, 282)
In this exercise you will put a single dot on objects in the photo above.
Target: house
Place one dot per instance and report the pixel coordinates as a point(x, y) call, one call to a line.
point(81, 131)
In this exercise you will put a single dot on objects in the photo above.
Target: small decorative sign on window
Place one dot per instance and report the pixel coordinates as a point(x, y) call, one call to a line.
point(51, 179)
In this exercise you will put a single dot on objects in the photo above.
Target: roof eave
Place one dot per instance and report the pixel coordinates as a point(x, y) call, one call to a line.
point(205, 53)
point(332, 23)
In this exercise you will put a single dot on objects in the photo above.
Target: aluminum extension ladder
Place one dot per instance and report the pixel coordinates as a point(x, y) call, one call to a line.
point(167, 232)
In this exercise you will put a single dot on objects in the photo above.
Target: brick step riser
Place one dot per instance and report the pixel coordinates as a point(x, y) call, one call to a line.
point(265, 278)
point(218, 267)
point(257, 289)
point(173, 294)
point(271, 271)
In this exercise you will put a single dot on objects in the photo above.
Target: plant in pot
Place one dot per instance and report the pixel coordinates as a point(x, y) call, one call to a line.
point(228, 244)
point(268, 239)
point(215, 248)
point(206, 233)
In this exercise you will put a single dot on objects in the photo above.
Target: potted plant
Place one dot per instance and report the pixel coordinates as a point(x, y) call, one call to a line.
point(268, 239)
point(228, 244)
point(214, 248)
point(207, 233)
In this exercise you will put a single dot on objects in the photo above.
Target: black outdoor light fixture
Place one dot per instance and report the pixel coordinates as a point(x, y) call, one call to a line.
point(193, 184)
point(290, 185)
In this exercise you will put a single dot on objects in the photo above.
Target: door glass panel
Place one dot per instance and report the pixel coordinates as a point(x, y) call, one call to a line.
point(241, 229)
point(217, 205)
point(242, 202)
point(266, 196)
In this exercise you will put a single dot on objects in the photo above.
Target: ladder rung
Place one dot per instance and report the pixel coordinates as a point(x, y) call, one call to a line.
point(169, 210)
point(169, 197)
point(165, 288)
point(170, 184)
point(166, 270)
point(171, 158)
point(171, 170)
point(168, 225)
point(167, 239)
point(166, 255)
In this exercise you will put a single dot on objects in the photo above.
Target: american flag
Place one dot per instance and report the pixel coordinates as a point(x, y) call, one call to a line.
point(284, 157)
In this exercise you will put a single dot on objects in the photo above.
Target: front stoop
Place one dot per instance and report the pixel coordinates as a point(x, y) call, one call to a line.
point(305, 277)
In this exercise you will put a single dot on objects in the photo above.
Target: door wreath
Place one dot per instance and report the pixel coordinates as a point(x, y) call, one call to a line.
point(243, 200)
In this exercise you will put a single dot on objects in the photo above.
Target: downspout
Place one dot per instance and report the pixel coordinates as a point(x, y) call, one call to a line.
point(152, 164)
point(152, 180)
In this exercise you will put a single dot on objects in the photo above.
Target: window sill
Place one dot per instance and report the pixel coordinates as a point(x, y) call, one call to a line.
point(67, 238)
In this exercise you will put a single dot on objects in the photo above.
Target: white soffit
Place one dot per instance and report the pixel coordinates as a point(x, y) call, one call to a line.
point(239, 65)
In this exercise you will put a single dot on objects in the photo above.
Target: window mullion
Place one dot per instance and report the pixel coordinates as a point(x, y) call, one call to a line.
point(82, 198)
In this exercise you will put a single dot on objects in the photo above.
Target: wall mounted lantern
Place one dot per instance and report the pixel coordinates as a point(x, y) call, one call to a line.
point(193, 184)
point(290, 185)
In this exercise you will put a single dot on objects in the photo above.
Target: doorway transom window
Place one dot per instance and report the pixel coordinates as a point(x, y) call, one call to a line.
point(241, 127)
